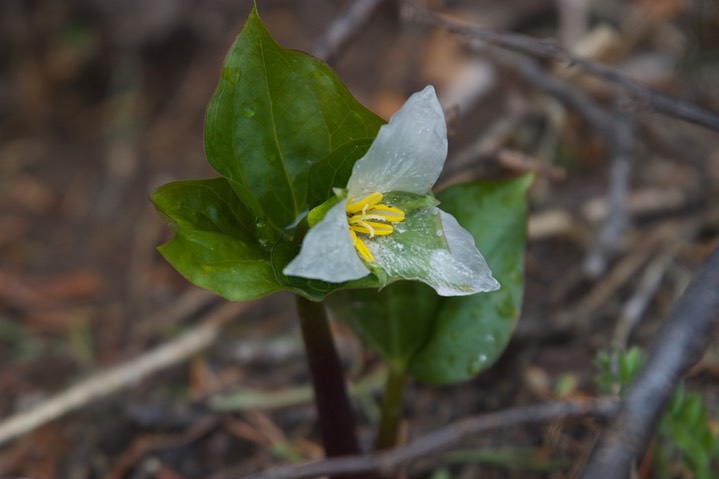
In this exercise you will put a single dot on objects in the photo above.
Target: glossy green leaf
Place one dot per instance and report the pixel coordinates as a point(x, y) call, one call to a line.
point(334, 171)
point(444, 340)
point(470, 332)
point(276, 115)
point(395, 322)
point(213, 246)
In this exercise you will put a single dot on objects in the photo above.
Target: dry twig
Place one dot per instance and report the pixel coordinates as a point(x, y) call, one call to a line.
point(622, 143)
point(112, 380)
point(634, 308)
point(659, 102)
point(390, 461)
point(679, 345)
point(344, 28)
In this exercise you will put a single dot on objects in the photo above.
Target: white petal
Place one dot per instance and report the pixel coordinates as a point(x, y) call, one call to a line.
point(327, 251)
point(463, 261)
point(408, 153)
point(455, 269)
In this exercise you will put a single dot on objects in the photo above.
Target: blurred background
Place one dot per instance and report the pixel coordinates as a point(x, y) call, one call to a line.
point(103, 101)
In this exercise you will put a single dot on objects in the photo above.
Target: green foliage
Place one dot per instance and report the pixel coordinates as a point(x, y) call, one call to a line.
point(276, 115)
point(683, 432)
point(617, 370)
point(213, 246)
point(443, 340)
point(282, 130)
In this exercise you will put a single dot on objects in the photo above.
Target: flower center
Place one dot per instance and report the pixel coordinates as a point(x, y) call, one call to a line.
point(369, 217)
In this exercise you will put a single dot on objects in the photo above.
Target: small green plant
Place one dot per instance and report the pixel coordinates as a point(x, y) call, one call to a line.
point(318, 196)
point(684, 438)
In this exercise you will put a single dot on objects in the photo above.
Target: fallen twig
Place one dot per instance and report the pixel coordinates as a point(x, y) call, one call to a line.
point(634, 308)
point(679, 345)
point(112, 380)
point(390, 461)
point(344, 27)
point(622, 142)
point(659, 102)
point(618, 130)
point(568, 95)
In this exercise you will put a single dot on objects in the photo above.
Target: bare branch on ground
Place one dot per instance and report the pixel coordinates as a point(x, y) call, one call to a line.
point(679, 345)
point(390, 461)
point(344, 28)
point(648, 97)
point(113, 380)
point(610, 235)
point(634, 308)
point(618, 130)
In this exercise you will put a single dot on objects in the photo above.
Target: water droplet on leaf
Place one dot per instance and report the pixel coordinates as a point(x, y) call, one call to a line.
point(248, 110)
point(232, 75)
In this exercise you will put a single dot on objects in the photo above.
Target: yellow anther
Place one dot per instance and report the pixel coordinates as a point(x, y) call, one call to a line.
point(372, 228)
point(367, 216)
point(361, 248)
point(364, 203)
point(386, 213)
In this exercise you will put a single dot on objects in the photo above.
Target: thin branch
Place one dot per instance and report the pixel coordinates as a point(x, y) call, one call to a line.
point(679, 344)
point(618, 130)
point(344, 28)
point(390, 461)
point(622, 144)
point(568, 95)
point(115, 379)
point(634, 309)
point(659, 102)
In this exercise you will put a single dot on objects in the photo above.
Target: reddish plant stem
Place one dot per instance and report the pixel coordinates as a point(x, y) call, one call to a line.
point(336, 418)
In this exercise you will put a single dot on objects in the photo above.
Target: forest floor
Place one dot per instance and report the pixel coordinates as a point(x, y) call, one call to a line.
point(101, 102)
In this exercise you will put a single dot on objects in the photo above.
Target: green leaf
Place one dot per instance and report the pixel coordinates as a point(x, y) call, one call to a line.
point(443, 340)
point(395, 322)
point(334, 171)
point(275, 116)
point(213, 246)
point(470, 332)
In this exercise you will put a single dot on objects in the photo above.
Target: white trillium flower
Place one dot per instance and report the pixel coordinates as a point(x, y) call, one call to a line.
point(388, 222)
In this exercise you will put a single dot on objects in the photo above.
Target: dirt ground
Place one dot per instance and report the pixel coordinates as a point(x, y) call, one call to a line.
point(101, 102)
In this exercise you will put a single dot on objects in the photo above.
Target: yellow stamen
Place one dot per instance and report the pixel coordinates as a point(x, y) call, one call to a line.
point(364, 216)
point(361, 248)
point(372, 228)
point(364, 203)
